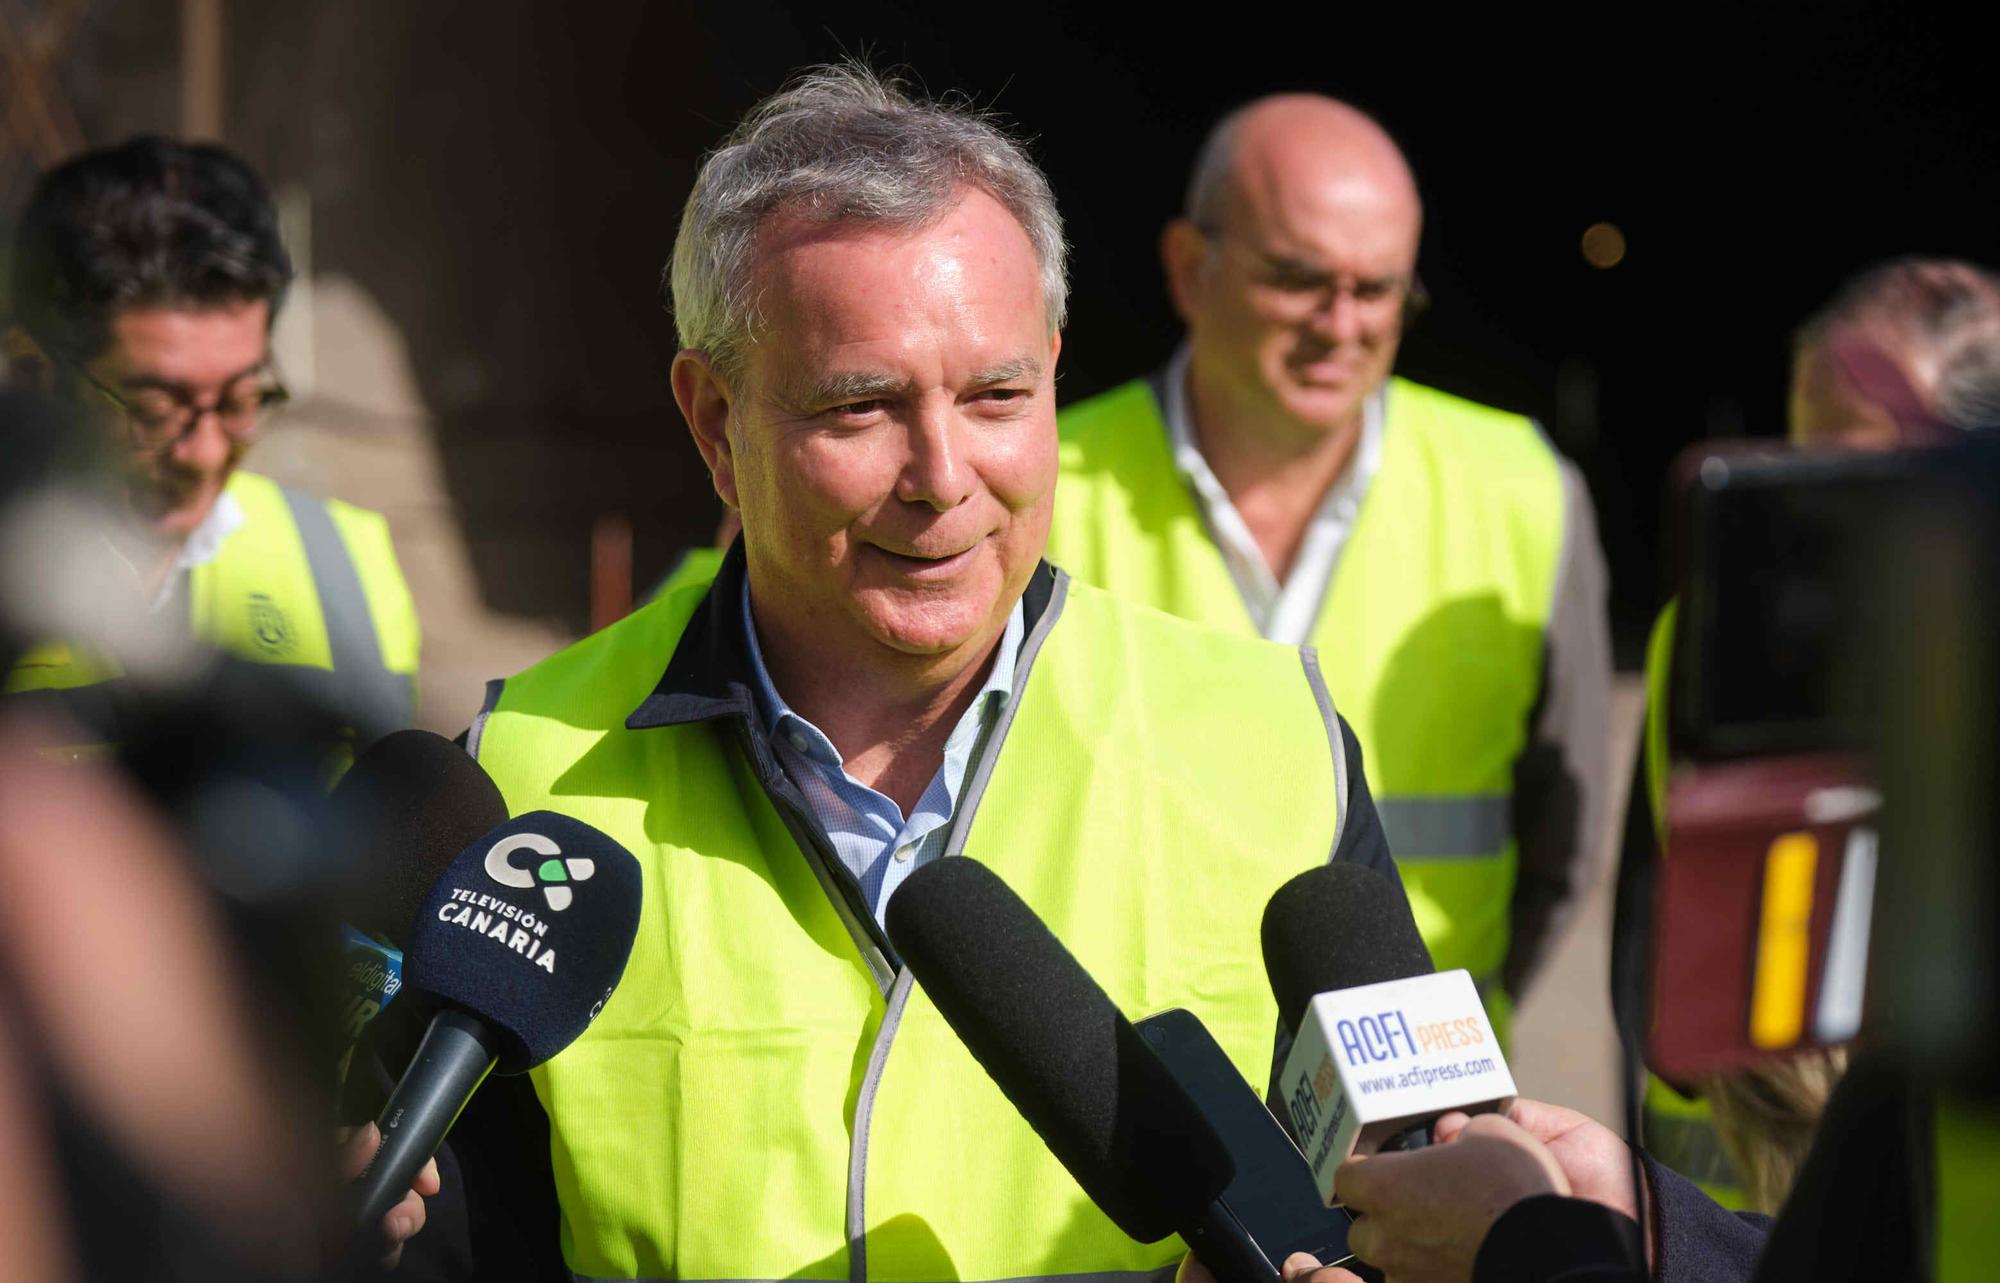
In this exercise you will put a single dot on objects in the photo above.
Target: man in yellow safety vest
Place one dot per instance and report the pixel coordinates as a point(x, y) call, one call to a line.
point(1274, 479)
point(146, 279)
point(881, 673)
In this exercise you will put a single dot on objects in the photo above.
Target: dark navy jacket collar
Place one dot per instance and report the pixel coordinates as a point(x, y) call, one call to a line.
point(709, 675)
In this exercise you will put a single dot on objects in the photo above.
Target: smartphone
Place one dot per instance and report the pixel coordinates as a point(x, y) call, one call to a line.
point(1272, 1196)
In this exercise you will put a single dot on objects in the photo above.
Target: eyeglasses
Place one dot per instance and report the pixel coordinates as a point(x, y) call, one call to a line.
point(1297, 284)
point(158, 418)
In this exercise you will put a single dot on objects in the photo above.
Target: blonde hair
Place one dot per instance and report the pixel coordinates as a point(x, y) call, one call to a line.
point(1766, 1116)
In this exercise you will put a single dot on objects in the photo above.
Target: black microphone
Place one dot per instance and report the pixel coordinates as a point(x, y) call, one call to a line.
point(522, 940)
point(1102, 1100)
point(1383, 1044)
point(1337, 926)
point(405, 808)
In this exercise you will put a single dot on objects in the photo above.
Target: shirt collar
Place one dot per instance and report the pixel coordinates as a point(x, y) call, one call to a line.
point(711, 673)
point(781, 721)
point(202, 545)
point(1179, 414)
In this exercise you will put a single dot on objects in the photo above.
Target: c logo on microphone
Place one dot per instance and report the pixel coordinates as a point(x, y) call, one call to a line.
point(550, 873)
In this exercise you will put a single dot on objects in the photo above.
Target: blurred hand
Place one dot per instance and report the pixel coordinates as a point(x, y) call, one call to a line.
point(1298, 1268)
point(400, 1225)
point(1420, 1217)
point(1596, 1159)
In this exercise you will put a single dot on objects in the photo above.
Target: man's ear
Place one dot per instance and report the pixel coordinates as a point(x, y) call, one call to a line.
point(1184, 259)
point(25, 363)
point(704, 396)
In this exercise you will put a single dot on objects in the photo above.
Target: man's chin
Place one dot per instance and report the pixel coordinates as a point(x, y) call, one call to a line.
point(1322, 406)
point(930, 628)
point(172, 517)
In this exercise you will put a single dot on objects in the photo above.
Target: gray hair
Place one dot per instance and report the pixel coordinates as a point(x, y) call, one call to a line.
point(838, 144)
point(1941, 314)
point(1208, 184)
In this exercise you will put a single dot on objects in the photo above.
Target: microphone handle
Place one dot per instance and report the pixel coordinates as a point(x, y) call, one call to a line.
point(1227, 1249)
point(457, 1053)
point(1415, 1136)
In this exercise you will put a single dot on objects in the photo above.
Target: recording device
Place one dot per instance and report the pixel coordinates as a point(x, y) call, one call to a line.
point(1382, 1046)
point(1834, 670)
point(1272, 1193)
point(1093, 1086)
point(406, 807)
point(522, 941)
point(1763, 896)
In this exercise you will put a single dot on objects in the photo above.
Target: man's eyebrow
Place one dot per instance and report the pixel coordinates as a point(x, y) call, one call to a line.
point(859, 385)
point(143, 382)
point(1020, 368)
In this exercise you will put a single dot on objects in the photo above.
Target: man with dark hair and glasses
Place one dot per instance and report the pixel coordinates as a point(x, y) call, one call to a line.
point(145, 281)
point(1275, 479)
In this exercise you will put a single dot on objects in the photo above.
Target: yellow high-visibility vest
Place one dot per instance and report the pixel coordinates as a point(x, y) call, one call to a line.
point(760, 1097)
point(1431, 634)
point(1677, 1130)
point(305, 582)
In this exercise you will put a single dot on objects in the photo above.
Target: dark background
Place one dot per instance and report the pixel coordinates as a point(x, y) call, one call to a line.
point(505, 179)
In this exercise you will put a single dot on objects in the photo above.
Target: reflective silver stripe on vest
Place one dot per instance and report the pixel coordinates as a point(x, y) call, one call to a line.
point(864, 1114)
point(1309, 657)
point(984, 757)
point(1451, 828)
point(378, 700)
point(1164, 1274)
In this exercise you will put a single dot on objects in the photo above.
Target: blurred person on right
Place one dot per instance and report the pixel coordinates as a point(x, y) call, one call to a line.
point(1906, 355)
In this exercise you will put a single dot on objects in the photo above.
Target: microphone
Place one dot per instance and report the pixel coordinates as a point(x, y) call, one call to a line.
point(1088, 1082)
point(522, 940)
point(1382, 1045)
point(408, 804)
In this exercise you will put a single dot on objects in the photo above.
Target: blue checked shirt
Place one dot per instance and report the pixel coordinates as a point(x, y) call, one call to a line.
point(880, 845)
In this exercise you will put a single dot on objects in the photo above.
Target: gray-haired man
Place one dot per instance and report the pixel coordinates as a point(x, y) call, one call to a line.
point(883, 673)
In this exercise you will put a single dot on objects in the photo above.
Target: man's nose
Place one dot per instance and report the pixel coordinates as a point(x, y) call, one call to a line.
point(1338, 317)
point(936, 473)
point(204, 446)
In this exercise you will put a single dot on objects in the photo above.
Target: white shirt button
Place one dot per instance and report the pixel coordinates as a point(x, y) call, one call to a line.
point(903, 853)
point(798, 739)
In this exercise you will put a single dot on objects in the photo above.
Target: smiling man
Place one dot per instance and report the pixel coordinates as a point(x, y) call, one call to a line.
point(884, 672)
point(1275, 480)
point(146, 278)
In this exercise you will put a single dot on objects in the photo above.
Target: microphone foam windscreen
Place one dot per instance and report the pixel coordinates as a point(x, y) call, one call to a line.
point(1058, 1048)
point(530, 927)
point(405, 809)
point(1335, 927)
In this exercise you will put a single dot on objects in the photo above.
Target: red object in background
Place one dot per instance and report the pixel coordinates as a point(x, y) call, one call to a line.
point(1723, 823)
point(610, 569)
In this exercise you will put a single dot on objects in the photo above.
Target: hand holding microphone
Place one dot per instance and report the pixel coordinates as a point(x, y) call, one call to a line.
point(1382, 1045)
point(1386, 1055)
point(521, 941)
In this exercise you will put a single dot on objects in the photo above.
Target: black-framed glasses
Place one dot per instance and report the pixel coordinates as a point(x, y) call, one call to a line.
point(158, 418)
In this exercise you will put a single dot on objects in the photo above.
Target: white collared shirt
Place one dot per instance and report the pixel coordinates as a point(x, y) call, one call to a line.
point(203, 545)
point(1282, 612)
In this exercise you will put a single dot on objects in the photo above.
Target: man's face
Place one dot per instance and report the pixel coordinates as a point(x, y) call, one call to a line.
point(158, 361)
point(1826, 410)
point(1295, 304)
point(891, 439)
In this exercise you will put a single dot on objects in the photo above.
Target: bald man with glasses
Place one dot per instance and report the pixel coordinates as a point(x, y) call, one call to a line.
point(1276, 479)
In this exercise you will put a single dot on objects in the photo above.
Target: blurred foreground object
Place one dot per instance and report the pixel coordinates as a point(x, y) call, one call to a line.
point(122, 994)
